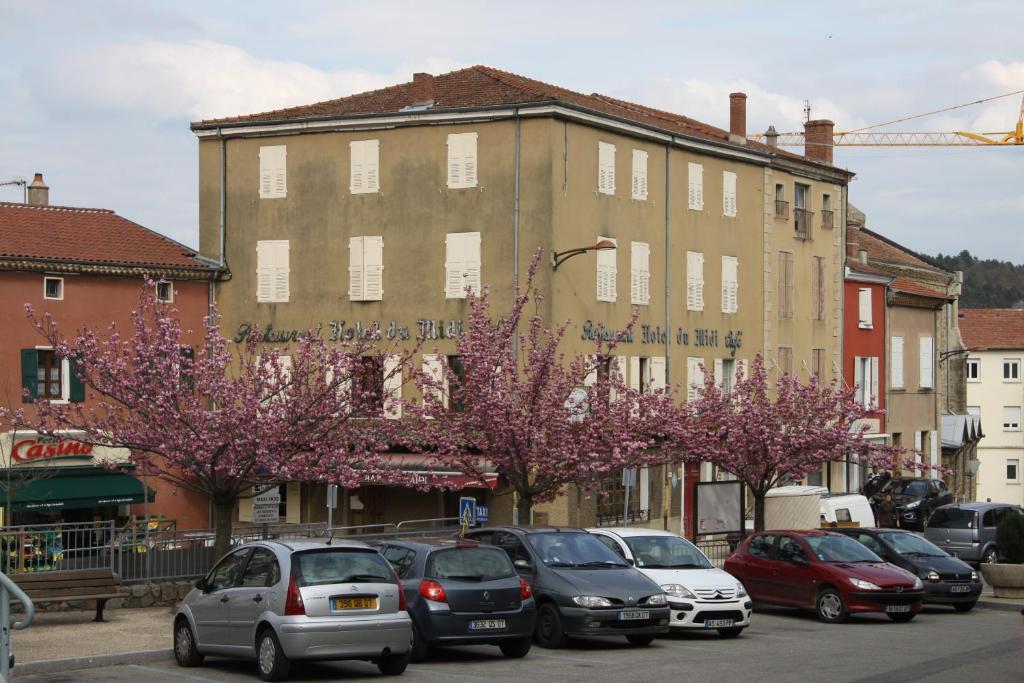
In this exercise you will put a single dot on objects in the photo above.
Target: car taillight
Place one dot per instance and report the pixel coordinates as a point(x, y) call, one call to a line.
point(403, 604)
point(293, 605)
point(525, 591)
point(432, 590)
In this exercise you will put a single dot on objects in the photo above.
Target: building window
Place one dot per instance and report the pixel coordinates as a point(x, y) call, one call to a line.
point(1011, 369)
point(801, 211)
point(827, 217)
point(694, 281)
point(364, 166)
point(785, 284)
point(607, 271)
point(642, 374)
point(368, 386)
point(462, 160)
point(639, 174)
point(696, 179)
point(865, 321)
point(53, 288)
point(817, 288)
point(605, 168)
point(46, 376)
point(164, 292)
point(49, 375)
point(786, 360)
point(1011, 418)
point(272, 271)
point(1012, 469)
point(729, 194)
point(926, 357)
point(817, 362)
point(458, 372)
point(639, 273)
point(730, 284)
point(727, 376)
point(781, 205)
point(865, 379)
point(273, 172)
point(896, 363)
point(694, 378)
point(366, 268)
point(462, 264)
point(973, 368)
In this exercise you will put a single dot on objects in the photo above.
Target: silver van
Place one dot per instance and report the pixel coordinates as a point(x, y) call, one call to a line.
point(275, 601)
point(968, 530)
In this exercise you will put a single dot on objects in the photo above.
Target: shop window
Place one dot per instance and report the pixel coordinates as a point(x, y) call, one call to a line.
point(611, 504)
point(53, 288)
point(46, 376)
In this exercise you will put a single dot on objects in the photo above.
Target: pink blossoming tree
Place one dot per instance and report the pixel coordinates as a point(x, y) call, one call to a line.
point(226, 416)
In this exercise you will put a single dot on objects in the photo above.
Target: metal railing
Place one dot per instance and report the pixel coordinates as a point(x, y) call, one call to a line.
point(827, 219)
point(8, 588)
point(802, 223)
point(49, 547)
point(716, 551)
point(782, 209)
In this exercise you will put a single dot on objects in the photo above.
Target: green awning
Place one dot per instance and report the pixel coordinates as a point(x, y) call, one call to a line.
point(70, 493)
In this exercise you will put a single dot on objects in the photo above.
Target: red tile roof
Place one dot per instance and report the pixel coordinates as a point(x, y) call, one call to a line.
point(99, 236)
point(992, 328)
point(902, 284)
point(881, 248)
point(484, 86)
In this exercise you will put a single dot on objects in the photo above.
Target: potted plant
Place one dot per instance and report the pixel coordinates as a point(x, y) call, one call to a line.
point(1007, 577)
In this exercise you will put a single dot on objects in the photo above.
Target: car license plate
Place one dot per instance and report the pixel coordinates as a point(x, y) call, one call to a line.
point(719, 623)
point(486, 624)
point(353, 603)
point(897, 608)
point(634, 615)
point(960, 589)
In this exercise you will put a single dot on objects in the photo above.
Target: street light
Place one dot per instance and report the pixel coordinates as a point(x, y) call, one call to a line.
point(560, 257)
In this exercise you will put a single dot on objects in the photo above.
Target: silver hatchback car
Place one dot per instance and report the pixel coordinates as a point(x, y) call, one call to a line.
point(276, 601)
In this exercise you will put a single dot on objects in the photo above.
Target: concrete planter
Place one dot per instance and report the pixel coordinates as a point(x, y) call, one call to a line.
point(1007, 580)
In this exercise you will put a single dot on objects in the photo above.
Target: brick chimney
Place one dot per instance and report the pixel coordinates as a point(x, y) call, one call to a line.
point(38, 192)
point(818, 140)
point(422, 88)
point(852, 242)
point(738, 117)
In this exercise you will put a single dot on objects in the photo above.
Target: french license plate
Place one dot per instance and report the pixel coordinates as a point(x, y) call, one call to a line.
point(353, 603)
point(897, 608)
point(634, 615)
point(486, 624)
point(719, 623)
point(960, 589)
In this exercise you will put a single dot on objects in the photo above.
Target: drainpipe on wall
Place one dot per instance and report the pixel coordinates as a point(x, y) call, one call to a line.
point(515, 228)
point(223, 192)
point(667, 488)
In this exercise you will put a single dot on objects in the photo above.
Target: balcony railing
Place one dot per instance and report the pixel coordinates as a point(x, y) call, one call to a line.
point(802, 223)
point(827, 219)
point(782, 209)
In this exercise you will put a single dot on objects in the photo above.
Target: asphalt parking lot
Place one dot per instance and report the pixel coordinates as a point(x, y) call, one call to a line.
point(939, 645)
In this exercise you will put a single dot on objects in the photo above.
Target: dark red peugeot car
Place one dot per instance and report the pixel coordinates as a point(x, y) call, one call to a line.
point(825, 571)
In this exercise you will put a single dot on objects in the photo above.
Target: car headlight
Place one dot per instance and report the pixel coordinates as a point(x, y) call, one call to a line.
point(931, 576)
point(657, 600)
point(974, 577)
point(741, 592)
point(866, 585)
point(911, 506)
point(917, 584)
point(678, 591)
point(591, 601)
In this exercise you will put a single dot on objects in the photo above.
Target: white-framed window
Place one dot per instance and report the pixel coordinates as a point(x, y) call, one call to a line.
point(640, 374)
point(729, 194)
point(273, 172)
point(46, 376)
point(864, 318)
point(927, 362)
point(164, 291)
point(730, 284)
point(973, 369)
point(1011, 369)
point(817, 362)
point(366, 268)
point(272, 271)
point(694, 377)
point(462, 160)
point(1011, 418)
point(696, 181)
point(606, 168)
point(639, 174)
point(896, 362)
point(461, 264)
point(364, 170)
point(607, 271)
point(865, 377)
point(694, 281)
point(53, 288)
point(639, 273)
point(725, 373)
point(1013, 469)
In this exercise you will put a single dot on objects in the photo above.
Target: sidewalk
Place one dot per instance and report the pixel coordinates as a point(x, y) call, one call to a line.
point(989, 601)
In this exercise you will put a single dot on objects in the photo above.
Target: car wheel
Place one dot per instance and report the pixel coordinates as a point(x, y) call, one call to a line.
point(964, 606)
point(515, 649)
point(830, 607)
point(271, 662)
point(902, 617)
point(393, 665)
point(991, 556)
point(420, 647)
point(549, 632)
point(730, 632)
point(185, 651)
point(640, 641)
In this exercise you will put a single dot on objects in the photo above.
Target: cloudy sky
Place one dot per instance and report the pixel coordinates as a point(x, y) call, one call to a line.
point(99, 95)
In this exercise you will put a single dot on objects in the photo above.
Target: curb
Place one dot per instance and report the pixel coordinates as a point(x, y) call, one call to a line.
point(49, 666)
point(1002, 606)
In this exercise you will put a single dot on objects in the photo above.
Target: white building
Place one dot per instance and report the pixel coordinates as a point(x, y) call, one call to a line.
point(995, 392)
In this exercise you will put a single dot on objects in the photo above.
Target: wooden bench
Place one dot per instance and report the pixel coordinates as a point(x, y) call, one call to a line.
point(87, 584)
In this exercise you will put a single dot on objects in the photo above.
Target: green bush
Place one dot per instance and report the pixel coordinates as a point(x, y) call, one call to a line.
point(1010, 537)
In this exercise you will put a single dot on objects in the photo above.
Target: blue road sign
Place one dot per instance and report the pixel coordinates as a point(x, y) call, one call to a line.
point(467, 510)
point(483, 515)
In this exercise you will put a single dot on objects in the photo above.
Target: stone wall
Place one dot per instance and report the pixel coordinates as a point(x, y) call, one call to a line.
point(162, 594)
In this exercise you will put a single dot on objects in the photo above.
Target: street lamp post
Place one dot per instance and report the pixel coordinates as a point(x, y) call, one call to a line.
point(560, 257)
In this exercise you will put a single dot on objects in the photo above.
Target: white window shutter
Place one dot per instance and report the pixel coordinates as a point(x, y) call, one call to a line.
point(373, 268)
point(365, 163)
point(693, 377)
point(273, 172)
point(272, 271)
point(433, 370)
point(371, 161)
point(462, 160)
point(605, 168)
point(634, 372)
point(469, 159)
point(696, 186)
point(357, 170)
point(719, 372)
point(640, 275)
point(392, 387)
point(864, 300)
point(591, 378)
point(607, 271)
point(874, 381)
point(355, 269)
point(264, 273)
point(700, 281)
point(281, 272)
point(657, 364)
point(730, 275)
point(926, 363)
point(618, 370)
point(472, 258)
point(454, 161)
point(639, 174)
point(896, 363)
point(729, 193)
point(695, 281)
point(462, 263)
point(858, 379)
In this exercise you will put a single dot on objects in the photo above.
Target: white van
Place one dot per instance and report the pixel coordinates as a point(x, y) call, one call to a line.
point(847, 507)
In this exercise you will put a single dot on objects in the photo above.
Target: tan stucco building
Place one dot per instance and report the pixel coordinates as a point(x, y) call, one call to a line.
point(368, 210)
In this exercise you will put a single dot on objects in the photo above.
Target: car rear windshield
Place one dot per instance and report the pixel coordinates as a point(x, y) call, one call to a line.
point(840, 549)
point(340, 565)
point(573, 549)
point(469, 564)
point(953, 518)
point(666, 552)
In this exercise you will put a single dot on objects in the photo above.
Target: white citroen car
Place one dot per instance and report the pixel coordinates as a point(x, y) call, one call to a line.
point(701, 596)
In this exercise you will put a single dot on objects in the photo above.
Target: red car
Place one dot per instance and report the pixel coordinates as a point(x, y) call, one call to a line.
point(828, 572)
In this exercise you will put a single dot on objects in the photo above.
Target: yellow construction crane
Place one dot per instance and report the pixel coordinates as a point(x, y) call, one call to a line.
point(861, 137)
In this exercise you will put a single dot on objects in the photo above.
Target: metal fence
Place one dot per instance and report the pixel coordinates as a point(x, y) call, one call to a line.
point(48, 547)
point(716, 551)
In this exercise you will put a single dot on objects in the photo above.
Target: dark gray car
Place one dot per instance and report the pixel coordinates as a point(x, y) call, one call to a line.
point(581, 587)
point(968, 530)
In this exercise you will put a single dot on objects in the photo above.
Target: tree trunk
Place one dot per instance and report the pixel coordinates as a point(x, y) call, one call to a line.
point(758, 511)
point(224, 512)
point(525, 508)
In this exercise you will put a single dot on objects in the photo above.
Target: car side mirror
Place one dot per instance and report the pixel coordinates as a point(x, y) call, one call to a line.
point(630, 561)
point(798, 559)
point(201, 584)
point(522, 564)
